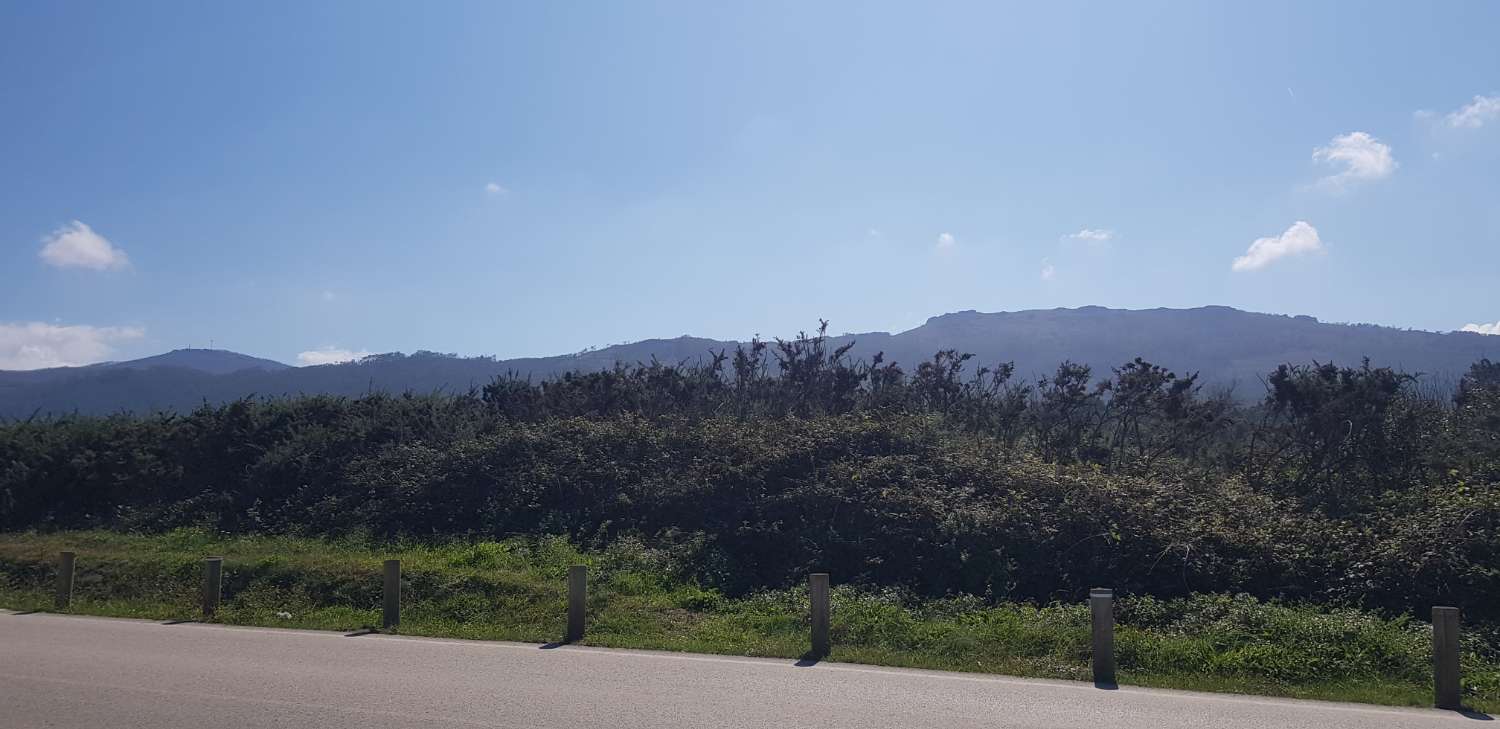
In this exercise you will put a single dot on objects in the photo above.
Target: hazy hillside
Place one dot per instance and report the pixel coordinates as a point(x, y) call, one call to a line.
point(1230, 347)
point(206, 361)
point(210, 361)
point(1227, 345)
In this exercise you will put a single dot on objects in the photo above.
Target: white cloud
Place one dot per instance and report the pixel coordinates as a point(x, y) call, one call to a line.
point(1299, 239)
point(1093, 236)
point(945, 241)
point(1475, 114)
point(76, 245)
point(34, 345)
point(1363, 158)
point(1483, 328)
point(1049, 272)
point(330, 355)
point(494, 188)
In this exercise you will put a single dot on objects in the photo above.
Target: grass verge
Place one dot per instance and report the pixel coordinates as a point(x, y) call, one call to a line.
point(514, 590)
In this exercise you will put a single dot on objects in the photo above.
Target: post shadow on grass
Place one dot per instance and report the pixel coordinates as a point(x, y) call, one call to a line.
point(578, 587)
point(578, 590)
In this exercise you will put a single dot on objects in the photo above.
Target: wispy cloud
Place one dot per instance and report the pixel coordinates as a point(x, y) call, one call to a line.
point(1361, 157)
point(330, 355)
point(1092, 235)
point(76, 245)
point(495, 189)
point(1049, 272)
point(1475, 114)
point(1297, 240)
point(946, 241)
point(34, 345)
point(1483, 328)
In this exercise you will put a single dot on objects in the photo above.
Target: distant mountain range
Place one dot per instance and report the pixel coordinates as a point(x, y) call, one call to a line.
point(205, 361)
point(1231, 348)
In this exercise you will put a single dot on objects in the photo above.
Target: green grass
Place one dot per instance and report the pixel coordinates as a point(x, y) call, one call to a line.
point(514, 590)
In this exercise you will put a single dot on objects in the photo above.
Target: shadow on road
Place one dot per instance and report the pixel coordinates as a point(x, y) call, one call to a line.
point(179, 622)
point(808, 660)
point(361, 631)
point(1475, 715)
point(554, 644)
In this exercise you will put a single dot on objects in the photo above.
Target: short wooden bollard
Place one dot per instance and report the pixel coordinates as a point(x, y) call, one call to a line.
point(213, 584)
point(578, 591)
point(64, 596)
point(1102, 610)
point(817, 593)
point(390, 614)
point(1445, 670)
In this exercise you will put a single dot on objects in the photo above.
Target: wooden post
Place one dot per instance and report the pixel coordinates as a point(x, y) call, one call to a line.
point(1445, 670)
point(391, 607)
point(817, 592)
point(64, 596)
point(213, 584)
point(578, 590)
point(1102, 610)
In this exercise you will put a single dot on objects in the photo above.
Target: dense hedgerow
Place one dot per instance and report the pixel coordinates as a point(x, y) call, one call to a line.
point(894, 501)
point(1344, 484)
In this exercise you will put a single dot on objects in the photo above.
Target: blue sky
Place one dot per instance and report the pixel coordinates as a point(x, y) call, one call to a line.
point(289, 178)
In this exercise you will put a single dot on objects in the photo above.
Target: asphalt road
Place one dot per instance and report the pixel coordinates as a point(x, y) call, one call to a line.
point(74, 672)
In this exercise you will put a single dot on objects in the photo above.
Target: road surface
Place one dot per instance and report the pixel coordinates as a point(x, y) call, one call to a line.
point(73, 672)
